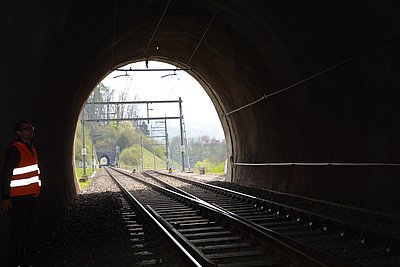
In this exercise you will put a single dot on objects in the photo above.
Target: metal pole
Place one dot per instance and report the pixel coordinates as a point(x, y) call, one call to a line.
point(141, 149)
point(84, 176)
point(186, 146)
point(155, 168)
point(91, 136)
point(108, 113)
point(181, 128)
point(147, 112)
point(166, 142)
point(117, 155)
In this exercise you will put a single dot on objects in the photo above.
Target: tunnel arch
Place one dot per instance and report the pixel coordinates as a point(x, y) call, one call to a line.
point(266, 131)
point(107, 157)
point(252, 48)
point(207, 88)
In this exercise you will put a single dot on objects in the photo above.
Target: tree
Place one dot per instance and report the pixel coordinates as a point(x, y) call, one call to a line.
point(122, 142)
point(79, 145)
point(144, 128)
point(99, 94)
point(211, 149)
point(160, 152)
point(130, 156)
point(205, 138)
point(205, 163)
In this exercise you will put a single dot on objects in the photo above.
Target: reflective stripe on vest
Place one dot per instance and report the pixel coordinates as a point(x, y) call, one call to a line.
point(26, 176)
point(26, 169)
point(28, 181)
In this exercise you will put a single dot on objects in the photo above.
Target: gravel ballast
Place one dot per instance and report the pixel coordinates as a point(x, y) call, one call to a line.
point(387, 225)
point(91, 233)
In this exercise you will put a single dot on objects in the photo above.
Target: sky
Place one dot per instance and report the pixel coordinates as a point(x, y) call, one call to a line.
point(199, 113)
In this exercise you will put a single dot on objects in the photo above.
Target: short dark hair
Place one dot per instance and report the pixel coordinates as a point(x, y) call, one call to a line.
point(19, 124)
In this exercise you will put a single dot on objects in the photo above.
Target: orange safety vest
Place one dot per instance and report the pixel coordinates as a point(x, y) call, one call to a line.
point(26, 176)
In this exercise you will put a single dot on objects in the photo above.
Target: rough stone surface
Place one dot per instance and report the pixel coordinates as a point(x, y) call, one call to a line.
point(91, 233)
point(379, 223)
point(387, 225)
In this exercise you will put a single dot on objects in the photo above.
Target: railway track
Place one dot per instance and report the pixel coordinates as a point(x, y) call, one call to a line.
point(216, 237)
point(151, 243)
point(324, 238)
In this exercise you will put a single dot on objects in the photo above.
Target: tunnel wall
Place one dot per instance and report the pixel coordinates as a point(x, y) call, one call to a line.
point(54, 54)
point(343, 116)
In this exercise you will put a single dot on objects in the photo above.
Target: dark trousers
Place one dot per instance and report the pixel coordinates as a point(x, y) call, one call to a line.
point(21, 222)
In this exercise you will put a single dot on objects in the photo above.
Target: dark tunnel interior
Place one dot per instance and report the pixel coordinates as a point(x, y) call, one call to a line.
point(54, 53)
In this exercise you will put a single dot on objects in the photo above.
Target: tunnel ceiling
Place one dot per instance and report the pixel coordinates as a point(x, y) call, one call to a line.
point(55, 53)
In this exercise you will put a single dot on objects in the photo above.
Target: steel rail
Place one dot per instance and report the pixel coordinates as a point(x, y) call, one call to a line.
point(275, 243)
point(316, 253)
point(131, 199)
point(355, 230)
point(259, 201)
point(202, 258)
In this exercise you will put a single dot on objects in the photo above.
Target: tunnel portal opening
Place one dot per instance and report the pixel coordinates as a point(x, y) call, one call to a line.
point(104, 160)
point(133, 117)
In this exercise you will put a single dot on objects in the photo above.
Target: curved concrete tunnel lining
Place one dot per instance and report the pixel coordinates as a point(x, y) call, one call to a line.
point(250, 47)
point(244, 123)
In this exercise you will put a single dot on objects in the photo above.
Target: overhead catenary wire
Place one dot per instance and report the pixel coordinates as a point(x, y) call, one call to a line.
point(155, 30)
point(343, 62)
point(152, 70)
point(202, 37)
point(114, 27)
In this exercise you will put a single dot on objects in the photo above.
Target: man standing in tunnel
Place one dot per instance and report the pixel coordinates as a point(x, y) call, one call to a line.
point(20, 182)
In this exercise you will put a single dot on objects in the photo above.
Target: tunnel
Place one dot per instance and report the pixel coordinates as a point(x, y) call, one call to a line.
point(306, 91)
point(106, 157)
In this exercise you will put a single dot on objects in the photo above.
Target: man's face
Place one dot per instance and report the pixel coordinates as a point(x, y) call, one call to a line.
point(26, 132)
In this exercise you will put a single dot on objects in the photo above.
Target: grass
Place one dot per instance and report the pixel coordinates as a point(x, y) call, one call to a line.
point(148, 162)
point(219, 169)
point(79, 173)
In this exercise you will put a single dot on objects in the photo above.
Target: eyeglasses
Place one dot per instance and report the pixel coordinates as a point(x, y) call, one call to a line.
point(28, 128)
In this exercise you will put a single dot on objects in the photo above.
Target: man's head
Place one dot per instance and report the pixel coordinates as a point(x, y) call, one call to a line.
point(24, 130)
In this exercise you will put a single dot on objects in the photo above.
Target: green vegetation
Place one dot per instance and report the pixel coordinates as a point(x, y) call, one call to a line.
point(204, 163)
point(128, 137)
point(148, 161)
point(79, 173)
point(125, 136)
point(210, 167)
point(203, 152)
point(78, 144)
point(219, 169)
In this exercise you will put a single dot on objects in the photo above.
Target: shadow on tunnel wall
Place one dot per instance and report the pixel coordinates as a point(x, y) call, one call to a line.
point(54, 54)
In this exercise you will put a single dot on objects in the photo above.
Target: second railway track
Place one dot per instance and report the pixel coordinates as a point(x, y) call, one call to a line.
point(216, 237)
point(326, 238)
